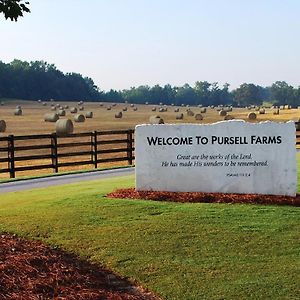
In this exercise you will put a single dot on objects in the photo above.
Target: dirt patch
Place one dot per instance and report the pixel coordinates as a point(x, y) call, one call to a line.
point(31, 270)
point(198, 197)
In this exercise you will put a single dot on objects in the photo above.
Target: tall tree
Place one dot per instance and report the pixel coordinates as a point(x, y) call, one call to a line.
point(13, 9)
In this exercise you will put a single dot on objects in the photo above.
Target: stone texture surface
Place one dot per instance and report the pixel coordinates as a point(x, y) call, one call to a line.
point(260, 160)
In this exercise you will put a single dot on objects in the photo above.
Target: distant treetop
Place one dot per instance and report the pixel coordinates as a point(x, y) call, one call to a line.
point(13, 9)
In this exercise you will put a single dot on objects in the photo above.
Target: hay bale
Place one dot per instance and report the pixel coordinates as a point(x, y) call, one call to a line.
point(39, 101)
point(179, 116)
point(119, 115)
point(276, 111)
point(18, 112)
point(57, 105)
point(52, 117)
point(153, 109)
point(131, 105)
point(44, 104)
point(198, 117)
point(135, 109)
point(81, 108)
point(100, 104)
point(73, 110)
point(66, 106)
point(61, 112)
point(64, 127)
point(89, 114)
point(79, 118)
point(156, 120)
point(161, 109)
point(160, 103)
point(53, 108)
point(228, 117)
point(18, 107)
point(203, 110)
point(252, 116)
point(108, 108)
point(281, 107)
point(2, 126)
point(2, 103)
point(146, 103)
point(80, 102)
point(176, 110)
point(222, 113)
point(262, 111)
point(124, 109)
point(190, 113)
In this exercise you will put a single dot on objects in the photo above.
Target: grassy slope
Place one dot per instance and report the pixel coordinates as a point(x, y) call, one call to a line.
point(181, 251)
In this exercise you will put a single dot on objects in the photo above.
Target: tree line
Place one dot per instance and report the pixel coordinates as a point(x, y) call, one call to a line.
point(39, 80)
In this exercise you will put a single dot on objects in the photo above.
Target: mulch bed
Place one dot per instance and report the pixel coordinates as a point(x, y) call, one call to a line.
point(196, 197)
point(31, 270)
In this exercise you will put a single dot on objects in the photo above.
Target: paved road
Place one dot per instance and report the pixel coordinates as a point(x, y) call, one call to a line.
point(63, 179)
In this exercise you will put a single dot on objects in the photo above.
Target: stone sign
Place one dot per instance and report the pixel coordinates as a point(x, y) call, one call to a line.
point(225, 157)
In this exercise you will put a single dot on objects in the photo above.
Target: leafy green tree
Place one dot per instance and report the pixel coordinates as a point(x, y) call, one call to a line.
point(13, 9)
point(283, 93)
point(248, 93)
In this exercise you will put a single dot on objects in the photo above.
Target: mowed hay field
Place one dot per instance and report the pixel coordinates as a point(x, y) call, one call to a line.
point(32, 122)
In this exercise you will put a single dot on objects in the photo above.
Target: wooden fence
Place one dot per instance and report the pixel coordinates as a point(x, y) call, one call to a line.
point(48, 151)
point(93, 148)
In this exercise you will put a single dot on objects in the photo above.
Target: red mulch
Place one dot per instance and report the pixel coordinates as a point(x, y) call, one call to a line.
point(196, 197)
point(31, 270)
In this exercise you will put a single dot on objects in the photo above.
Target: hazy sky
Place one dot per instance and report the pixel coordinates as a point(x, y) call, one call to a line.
point(124, 43)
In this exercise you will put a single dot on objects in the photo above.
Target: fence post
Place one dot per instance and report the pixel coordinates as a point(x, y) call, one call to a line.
point(54, 152)
point(130, 146)
point(11, 156)
point(95, 148)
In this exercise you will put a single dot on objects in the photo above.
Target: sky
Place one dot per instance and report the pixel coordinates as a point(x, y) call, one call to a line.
point(125, 43)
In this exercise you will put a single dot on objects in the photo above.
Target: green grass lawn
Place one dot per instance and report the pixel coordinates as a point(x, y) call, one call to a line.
point(179, 251)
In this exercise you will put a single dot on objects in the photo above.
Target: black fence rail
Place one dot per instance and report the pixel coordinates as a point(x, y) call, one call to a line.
point(50, 151)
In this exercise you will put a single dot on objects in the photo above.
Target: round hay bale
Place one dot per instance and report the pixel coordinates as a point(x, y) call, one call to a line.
point(124, 109)
point(228, 117)
point(222, 113)
point(79, 118)
point(153, 109)
point(39, 101)
point(161, 109)
point(80, 102)
point(64, 127)
point(108, 108)
point(179, 116)
point(297, 124)
point(135, 109)
point(198, 117)
point(18, 107)
point(182, 104)
point(100, 104)
point(114, 104)
point(66, 106)
point(73, 110)
point(81, 108)
point(176, 110)
point(262, 111)
point(57, 105)
point(18, 112)
point(44, 104)
point(146, 103)
point(203, 110)
point(131, 105)
point(2, 126)
point(53, 108)
point(252, 116)
point(156, 120)
point(2, 103)
point(257, 108)
point(160, 103)
point(281, 107)
point(199, 105)
point(61, 112)
point(190, 113)
point(276, 111)
point(119, 115)
point(52, 117)
point(89, 114)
